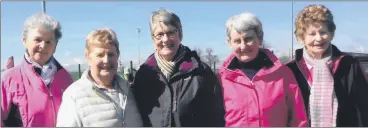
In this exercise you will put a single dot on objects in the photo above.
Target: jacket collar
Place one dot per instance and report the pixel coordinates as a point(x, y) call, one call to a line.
point(27, 62)
point(31, 73)
point(272, 64)
point(270, 61)
point(234, 62)
point(117, 81)
point(190, 62)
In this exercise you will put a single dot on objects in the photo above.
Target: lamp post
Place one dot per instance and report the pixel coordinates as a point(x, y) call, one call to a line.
point(43, 6)
point(292, 28)
point(139, 47)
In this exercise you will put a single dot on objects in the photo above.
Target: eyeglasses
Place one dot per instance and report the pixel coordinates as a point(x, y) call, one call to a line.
point(169, 34)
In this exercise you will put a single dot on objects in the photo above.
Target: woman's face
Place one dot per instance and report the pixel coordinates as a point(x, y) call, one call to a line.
point(40, 44)
point(103, 61)
point(166, 40)
point(245, 46)
point(317, 38)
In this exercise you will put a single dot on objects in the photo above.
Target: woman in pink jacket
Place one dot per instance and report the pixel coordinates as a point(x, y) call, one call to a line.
point(258, 90)
point(31, 92)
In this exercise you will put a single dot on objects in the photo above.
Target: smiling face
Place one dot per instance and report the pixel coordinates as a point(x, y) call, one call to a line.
point(166, 40)
point(317, 38)
point(103, 61)
point(245, 46)
point(40, 45)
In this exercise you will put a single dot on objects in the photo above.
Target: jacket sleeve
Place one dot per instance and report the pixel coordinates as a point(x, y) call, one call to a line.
point(132, 117)
point(6, 101)
point(211, 101)
point(360, 92)
point(294, 99)
point(67, 115)
point(138, 91)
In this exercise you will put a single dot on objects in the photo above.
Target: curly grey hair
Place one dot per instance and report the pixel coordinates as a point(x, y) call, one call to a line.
point(42, 20)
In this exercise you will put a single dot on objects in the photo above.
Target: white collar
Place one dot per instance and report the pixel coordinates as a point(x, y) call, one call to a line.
point(49, 64)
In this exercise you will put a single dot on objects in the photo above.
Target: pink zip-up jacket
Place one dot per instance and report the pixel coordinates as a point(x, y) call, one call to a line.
point(25, 99)
point(271, 98)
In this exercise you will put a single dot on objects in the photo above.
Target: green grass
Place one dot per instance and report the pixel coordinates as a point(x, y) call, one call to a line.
point(75, 75)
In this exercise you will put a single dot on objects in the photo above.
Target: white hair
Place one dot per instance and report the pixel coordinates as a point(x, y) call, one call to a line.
point(244, 22)
point(42, 20)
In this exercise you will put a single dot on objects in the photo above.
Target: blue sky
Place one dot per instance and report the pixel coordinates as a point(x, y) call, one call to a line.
point(203, 25)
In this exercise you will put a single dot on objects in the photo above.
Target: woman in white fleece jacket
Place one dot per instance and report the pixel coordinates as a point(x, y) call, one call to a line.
point(100, 98)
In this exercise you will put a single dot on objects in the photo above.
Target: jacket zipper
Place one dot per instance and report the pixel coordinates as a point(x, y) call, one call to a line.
point(255, 90)
point(259, 107)
point(173, 104)
point(174, 100)
point(52, 99)
point(53, 106)
point(50, 95)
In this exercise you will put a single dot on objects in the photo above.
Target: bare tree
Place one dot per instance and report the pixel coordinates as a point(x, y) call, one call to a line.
point(211, 58)
point(208, 57)
point(199, 52)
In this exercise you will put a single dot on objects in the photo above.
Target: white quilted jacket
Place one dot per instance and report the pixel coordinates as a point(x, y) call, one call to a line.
point(84, 105)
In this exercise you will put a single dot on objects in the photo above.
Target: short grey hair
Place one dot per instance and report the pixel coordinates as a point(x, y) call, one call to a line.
point(244, 22)
point(42, 20)
point(168, 18)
